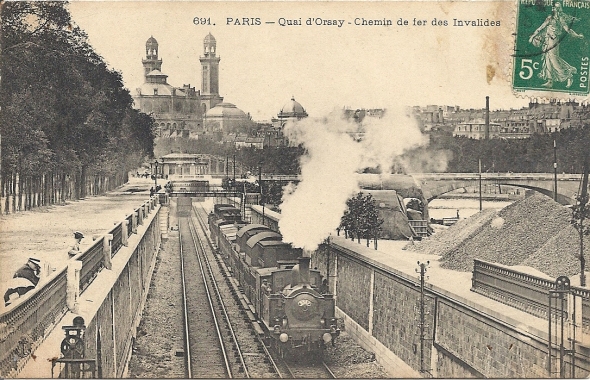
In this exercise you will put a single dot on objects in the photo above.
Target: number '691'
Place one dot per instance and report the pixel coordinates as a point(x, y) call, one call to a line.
point(202, 21)
point(526, 68)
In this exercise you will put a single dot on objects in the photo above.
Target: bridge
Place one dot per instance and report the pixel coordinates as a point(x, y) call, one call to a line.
point(434, 185)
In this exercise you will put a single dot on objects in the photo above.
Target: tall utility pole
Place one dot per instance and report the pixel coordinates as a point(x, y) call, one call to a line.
point(423, 314)
point(480, 203)
point(260, 186)
point(578, 217)
point(554, 170)
point(234, 171)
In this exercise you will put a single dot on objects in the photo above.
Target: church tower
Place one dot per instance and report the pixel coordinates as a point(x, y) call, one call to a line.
point(151, 61)
point(210, 74)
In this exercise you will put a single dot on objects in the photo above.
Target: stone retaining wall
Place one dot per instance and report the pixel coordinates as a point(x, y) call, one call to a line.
point(380, 307)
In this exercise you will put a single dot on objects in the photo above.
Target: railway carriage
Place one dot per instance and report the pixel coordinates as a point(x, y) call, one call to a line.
point(277, 280)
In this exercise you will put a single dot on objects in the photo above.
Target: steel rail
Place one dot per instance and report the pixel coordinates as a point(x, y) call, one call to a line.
point(266, 351)
point(210, 299)
point(218, 292)
point(272, 361)
point(329, 370)
point(189, 373)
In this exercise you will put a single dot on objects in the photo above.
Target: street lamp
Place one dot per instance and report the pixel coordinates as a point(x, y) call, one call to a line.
point(260, 186)
point(155, 174)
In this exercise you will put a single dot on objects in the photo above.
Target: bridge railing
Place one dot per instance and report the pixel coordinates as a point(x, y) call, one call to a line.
point(523, 291)
point(25, 323)
point(498, 175)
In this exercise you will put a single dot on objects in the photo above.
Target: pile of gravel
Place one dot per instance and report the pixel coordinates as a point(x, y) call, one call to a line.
point(535, 232)
point(443, 242)
point(559, 255)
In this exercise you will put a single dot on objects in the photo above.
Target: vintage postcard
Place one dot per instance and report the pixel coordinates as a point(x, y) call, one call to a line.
point(309, 189)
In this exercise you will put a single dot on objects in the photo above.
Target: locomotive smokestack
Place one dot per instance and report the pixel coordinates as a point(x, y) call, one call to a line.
point(487, 130)
point(304, 270)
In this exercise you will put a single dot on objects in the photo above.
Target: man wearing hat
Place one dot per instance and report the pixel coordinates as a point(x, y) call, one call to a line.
point(24, 280)
point(76, 248)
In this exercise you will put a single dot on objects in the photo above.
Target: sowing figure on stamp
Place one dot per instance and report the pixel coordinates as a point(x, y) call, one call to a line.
point(548, 36)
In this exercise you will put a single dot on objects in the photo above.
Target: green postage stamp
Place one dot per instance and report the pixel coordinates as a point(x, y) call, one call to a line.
point(552, 46)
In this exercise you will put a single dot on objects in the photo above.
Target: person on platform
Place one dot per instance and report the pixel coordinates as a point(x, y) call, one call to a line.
point(24, 280)
point(265, 287)
point(78, 236)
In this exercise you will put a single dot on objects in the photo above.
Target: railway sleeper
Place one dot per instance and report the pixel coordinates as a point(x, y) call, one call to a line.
point(258, 329)
point(251, 317)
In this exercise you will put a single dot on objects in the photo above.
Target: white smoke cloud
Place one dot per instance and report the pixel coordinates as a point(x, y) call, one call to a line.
point(312, 210)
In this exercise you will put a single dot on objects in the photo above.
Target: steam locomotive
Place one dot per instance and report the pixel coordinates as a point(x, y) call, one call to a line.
point(290, 299)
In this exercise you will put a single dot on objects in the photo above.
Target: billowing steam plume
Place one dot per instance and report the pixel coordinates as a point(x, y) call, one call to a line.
point(312, 210)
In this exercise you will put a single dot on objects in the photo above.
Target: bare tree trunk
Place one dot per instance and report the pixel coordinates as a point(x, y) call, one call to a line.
point(19, 187)
point(28, 193)
point(63, 189)
point(7, 194)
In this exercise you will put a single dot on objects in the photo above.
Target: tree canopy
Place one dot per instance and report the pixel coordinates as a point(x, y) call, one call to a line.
point(361, 219)
point(65, 113)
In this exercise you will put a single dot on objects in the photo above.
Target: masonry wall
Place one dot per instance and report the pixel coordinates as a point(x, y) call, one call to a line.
point(354, 289)
point(111, 331)
point(396, 318)
point(462, 340)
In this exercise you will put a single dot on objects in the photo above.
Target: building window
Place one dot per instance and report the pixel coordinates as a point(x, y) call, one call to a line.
point(155, 91)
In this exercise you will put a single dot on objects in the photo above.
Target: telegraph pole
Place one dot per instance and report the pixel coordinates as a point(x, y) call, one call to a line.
point(480, 203)
point(423, 314)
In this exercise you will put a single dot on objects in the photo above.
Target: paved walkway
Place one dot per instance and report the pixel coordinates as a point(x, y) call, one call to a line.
point(48, 232)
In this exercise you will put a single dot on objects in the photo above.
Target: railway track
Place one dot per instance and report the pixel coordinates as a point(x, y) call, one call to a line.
point(257, 358)
point(309, 370)
point(267, 363)
point(207, 351)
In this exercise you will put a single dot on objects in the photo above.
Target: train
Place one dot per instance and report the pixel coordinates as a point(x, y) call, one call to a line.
point(290, 300)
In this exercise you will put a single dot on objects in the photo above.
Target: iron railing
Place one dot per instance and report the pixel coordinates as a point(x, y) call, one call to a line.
point(520, 290)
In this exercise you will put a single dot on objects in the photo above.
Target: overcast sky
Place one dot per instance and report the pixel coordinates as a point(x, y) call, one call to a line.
point(323, 67)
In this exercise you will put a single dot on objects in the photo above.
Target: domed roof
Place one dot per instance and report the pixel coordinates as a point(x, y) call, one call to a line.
point(156, 73)
point(151, 41)
point(209, 39)
point(292, 109)
point(226, 110)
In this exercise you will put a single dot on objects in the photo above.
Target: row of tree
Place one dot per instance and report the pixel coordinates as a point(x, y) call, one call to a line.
point(67, 123)
point(530, 155)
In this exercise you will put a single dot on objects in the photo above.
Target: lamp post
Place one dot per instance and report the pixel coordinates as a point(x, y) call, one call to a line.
point(260, 186)
point(234, 183)
point(155, 174)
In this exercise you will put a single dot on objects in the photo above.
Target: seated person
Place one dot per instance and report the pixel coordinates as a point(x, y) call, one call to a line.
point(24, 280)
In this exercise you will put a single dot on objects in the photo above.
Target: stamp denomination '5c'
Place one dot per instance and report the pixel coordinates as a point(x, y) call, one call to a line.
point(552, 46)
